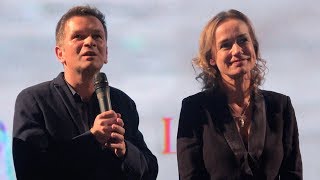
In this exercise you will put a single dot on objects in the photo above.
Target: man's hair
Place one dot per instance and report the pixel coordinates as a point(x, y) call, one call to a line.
point(210, 75)
point(78, 11)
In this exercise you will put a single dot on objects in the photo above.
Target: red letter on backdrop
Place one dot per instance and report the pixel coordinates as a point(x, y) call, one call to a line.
point(167, 136)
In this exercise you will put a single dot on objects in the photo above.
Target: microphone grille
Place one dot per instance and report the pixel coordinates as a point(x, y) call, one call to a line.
point(99, 79)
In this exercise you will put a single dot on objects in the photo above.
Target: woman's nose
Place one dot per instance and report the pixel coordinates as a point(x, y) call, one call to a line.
point(236, 49)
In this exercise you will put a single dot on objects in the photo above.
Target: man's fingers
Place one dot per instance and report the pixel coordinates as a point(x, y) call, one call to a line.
point(118, 129)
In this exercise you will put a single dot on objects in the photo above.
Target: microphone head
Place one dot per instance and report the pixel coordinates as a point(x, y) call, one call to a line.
point(100, 80)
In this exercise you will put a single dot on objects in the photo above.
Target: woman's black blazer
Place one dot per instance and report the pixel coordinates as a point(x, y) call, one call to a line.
point(209, 145)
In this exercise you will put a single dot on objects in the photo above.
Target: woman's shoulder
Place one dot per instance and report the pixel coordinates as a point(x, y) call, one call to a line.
point(195, 97)
point(203, 96)
point(275, 99)
point(273, 95)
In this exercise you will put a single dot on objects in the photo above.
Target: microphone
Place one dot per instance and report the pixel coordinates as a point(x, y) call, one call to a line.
point(102, 90)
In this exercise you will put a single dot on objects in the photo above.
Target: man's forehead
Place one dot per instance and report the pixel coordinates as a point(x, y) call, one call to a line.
point(84, 22)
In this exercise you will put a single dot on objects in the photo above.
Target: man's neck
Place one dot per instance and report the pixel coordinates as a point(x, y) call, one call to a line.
point(83, 85)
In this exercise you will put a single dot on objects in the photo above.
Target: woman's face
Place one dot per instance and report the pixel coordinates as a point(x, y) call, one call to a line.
point(233, 51)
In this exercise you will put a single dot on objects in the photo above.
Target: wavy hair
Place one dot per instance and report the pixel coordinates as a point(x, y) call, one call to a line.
point(210, 75)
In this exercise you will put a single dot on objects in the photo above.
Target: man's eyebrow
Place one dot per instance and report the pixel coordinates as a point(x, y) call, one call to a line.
point(83, 31)
point(243, 35)
point(98, 31)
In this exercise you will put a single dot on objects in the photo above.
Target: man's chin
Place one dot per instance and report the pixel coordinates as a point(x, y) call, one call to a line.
point(90, 70)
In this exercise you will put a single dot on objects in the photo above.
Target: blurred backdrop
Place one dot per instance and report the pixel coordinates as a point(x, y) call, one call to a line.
point(151, 44)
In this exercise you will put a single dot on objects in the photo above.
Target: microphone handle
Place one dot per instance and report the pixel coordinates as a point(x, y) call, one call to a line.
point(103, 95)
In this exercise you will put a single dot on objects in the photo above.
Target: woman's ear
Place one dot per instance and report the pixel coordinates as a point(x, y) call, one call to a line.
point(212, 62)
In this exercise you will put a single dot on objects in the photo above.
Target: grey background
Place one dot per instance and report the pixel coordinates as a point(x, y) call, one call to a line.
point(151, 44)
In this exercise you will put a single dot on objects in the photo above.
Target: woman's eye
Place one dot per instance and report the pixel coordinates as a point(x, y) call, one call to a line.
point(242, 40)
point(226, 45)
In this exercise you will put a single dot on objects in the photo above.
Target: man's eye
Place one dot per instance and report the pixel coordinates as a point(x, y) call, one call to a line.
point(97, 36)
point(77, 36)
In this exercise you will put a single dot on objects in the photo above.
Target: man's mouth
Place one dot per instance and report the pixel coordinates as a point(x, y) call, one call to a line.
point(89, 53)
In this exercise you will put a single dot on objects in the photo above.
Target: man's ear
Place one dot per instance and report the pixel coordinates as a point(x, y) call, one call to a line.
point(212, 62)
point(59, 54)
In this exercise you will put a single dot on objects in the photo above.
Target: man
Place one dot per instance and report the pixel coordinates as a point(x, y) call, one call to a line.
point(58, 131)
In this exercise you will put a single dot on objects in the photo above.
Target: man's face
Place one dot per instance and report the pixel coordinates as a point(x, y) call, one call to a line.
point(83, 48)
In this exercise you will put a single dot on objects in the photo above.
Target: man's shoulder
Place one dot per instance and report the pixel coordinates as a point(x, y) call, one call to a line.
point(43, 87)
point(35, 93)
point(115, 92)
point(37, 88)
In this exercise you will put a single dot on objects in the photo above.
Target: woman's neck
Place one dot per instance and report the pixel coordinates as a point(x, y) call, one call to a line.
point(238, 91)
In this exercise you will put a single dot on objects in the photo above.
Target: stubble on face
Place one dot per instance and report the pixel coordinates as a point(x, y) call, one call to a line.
point(84, 34)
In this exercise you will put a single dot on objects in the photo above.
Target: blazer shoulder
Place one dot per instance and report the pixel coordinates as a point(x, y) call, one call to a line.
point(115, 92)
point(205, 97)
point(38, 89)
point(195, 98)
point(274, 96)
point(275, 100)
point(121, 99)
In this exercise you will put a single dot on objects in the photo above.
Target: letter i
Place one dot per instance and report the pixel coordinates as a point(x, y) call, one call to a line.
point(167, 125)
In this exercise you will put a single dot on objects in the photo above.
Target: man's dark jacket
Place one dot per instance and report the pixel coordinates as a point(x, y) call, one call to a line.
point(50, 141)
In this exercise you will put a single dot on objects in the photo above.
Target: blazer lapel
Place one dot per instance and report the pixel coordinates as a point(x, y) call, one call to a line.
point(236, 144)
point(62, 88)
point(258, 128)
point(220, 113)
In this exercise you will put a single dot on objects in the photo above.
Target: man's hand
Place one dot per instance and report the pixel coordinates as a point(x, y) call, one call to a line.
point(108, 130)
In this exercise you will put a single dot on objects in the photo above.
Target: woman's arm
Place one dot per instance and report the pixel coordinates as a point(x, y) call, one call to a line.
point(189, 143)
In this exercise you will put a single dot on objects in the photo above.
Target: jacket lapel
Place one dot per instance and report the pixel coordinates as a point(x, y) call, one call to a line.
point(219, 111)
point(69, 104)
point(258, 128)
point(233, 138)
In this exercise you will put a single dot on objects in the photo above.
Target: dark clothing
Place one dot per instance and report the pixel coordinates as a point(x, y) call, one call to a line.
point(50, 140)
point(209, 145)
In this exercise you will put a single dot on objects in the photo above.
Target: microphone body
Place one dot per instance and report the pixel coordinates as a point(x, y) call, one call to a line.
point(102, 90)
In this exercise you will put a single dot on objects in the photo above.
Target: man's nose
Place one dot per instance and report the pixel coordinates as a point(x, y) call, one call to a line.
point(90, 42)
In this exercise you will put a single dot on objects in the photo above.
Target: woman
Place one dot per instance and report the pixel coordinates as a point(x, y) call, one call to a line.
point(233, 129)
